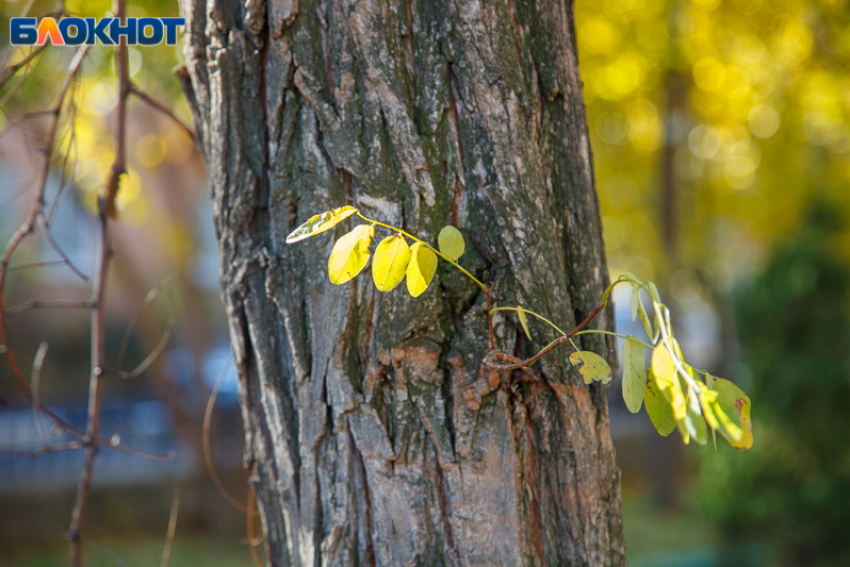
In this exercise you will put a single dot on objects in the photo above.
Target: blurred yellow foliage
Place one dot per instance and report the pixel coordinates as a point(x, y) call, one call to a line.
point(742, 105)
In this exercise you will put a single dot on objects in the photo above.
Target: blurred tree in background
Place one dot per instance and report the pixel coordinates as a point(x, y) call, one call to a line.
point(792, 489)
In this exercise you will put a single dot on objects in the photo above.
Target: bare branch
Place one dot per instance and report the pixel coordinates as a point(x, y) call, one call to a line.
point(31, 265)
point(47, 449)
point(107, 552)
point(47, 304)
point(42, 222)
point(206, 441)
point(10, 71)
point(159, 348)
point(172, 527)
point(249, 523)
point(106, 211)
point(491, 362)
point(160, 107)
point(35, 381)
point(27, 227)
point(151, 295)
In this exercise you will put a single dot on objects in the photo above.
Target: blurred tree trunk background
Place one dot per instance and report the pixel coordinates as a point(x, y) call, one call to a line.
point(421, 114)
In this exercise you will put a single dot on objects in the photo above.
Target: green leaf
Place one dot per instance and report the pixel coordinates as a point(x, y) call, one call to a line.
point(657, 407)
point(653, 292)
point(709, 380)
point(451, 243)
point(421, 269)
point(644, 320)
point(350, 254)
point(732, 409)
point(634, 375)
point(635, 302)
point(667, 379)
point(591, 366)
point(390, 263)
point(523, 320)
point(320, 223)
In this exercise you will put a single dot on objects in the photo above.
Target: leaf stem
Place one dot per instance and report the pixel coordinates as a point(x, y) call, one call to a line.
point(551, 346)
point(624, 337)
point(541, 317)
point(434, 250)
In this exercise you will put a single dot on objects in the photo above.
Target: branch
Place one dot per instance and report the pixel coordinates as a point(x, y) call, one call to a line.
point(35, 380)
point(552, 346)
point(28, 225)
point(160, 107)
point(42, 223)
point(106, 210)
point(172, 527)
point(10, 71)
point(172, 320)
point(47, 304)
point(206, 441)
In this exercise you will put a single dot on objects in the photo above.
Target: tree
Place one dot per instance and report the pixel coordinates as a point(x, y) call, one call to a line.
point(424, 114)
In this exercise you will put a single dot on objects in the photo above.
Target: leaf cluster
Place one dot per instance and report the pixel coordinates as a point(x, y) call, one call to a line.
point(676, 395)
point(394, 258)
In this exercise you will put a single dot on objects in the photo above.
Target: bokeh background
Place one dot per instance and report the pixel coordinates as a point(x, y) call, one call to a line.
point(721, 139)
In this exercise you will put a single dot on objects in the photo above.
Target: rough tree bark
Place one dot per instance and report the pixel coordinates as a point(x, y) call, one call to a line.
point(421, 113)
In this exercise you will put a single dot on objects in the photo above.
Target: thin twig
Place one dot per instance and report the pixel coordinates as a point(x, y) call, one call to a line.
point(107, 552)
point(106, 210)
point(552, 346)
point(10, 71)
point(45, 229)
point(151, 295)
point(31, 265)
point(27, 227)
point(249, 524)
point(159, 348)
point(35, 380)
point(491, 339)
point(98, 343)
point(172, 527)
point(47, 449)
point(160, 107)
point(206, 441)
point(47, 304)
point(13, 197)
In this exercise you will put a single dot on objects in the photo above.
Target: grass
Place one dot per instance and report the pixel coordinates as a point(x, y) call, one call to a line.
point(145, 552)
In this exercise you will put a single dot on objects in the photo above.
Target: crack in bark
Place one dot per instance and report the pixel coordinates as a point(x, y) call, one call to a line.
point(360, 471)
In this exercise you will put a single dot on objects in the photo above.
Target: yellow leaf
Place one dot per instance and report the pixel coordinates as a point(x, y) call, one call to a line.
point(451, 243)
point(706, 399)
point(634, 375)
point(657, 407)
point(421, 269)
point(350, 254)
point(523, 320)
point(390, 263)
point(732, 408)
point(591, 366)
point(644, 320)
point(667, 379)
point(320, 223)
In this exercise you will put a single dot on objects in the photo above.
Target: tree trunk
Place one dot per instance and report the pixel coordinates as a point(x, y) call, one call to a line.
point(425, 113)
